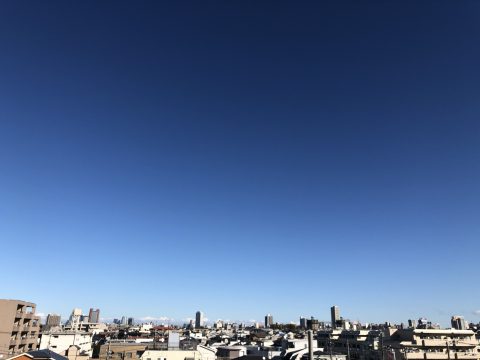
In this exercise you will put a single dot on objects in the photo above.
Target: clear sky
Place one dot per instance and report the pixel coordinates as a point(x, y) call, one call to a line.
point(242, 158)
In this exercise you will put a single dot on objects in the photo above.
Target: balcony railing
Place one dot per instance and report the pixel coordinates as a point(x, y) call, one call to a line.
point(470, 355)
point(443, 343)
point(441, 355)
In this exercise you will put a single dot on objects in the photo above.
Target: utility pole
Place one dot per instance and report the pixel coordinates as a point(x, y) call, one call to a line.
point(310, 344)
point(330, 348)
point(108, 350)
point(381, 345)
point(348, 350)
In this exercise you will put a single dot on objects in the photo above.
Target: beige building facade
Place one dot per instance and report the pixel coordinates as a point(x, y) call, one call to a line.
point(19, 327)
point(441, 344)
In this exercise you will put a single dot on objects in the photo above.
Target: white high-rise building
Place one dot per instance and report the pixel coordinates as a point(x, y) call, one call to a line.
point(75, 319)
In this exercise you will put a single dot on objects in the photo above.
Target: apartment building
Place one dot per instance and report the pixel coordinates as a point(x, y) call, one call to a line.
point(358, 344)
point(441, 344)
point(19, 327)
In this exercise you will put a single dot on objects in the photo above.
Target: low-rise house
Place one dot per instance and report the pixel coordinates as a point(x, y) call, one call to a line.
point(74, 353)
point(231, 352)
point(121, 350)
point(200, 353)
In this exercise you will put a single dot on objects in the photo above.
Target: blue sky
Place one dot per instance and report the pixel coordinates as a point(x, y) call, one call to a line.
point(241, 158)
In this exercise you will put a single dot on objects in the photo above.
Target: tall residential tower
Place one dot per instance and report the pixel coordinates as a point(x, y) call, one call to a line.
point(335, 314)
point(268, 320)
point(94, 316)
point(198, 319)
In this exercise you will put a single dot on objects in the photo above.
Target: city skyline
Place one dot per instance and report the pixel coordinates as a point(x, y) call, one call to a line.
point(82, 337)
point(444, 320)
point(160, 158)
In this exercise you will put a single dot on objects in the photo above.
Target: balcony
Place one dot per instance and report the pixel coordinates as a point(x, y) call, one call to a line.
point(415, 356)
point(464, 343)
point(443, 343)
point(14, 342)
point(19, 314)
point(433, 342)
point(442, 356)
point(427, 356)
point(467, 356)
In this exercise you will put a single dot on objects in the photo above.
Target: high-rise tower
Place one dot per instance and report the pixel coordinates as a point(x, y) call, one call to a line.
point(94, 316)
point(335, 314)
point(268, 320)
point(198, 319)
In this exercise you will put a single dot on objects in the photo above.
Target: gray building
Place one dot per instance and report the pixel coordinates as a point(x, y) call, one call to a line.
point(268, 320)
point(303, 322)
point(94, 316)
point(459, 323)
point(335, 316)
point(52, 321)
point(198, 319)
point(313, 324)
